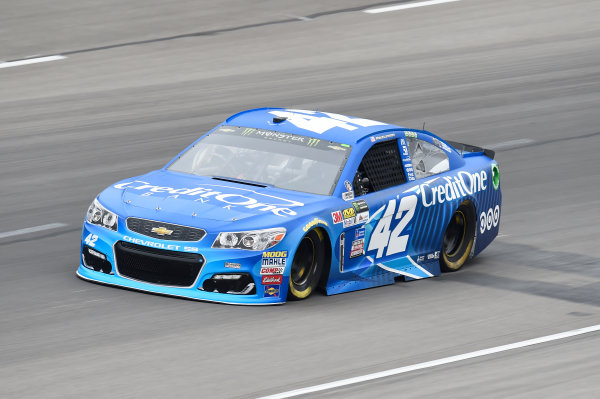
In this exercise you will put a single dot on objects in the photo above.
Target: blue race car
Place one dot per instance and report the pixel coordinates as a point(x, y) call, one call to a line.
point(273, 203)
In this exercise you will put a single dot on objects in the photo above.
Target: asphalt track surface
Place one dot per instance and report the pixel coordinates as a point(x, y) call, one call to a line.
point(142, 79)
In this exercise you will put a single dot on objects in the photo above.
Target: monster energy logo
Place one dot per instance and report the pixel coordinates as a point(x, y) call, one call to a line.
point(313, 142)
point(280, 136)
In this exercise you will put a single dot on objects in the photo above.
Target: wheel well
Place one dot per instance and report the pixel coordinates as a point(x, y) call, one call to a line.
point(468, 203)
point(472, 211)
point(462, 249)
point(327, 266)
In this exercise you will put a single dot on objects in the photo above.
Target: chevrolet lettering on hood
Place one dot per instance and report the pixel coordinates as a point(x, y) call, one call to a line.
point(276, 204)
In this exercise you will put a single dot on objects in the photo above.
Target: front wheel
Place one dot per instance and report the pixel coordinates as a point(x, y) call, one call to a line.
point(306, 266)
point(458, 238)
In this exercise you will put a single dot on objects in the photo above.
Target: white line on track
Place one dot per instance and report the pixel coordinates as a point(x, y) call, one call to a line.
point(407, 6)
point(433, 363)
point(31, 61)
point(509, 144)
point(32, 230)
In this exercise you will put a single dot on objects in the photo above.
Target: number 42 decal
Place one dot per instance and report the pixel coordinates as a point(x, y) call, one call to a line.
point(394, 241)
point(91, 240)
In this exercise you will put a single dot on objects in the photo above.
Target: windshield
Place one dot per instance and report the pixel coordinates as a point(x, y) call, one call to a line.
point(283, 160)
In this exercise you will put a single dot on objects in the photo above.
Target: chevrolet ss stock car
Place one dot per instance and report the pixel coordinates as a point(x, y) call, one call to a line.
point(273, 203)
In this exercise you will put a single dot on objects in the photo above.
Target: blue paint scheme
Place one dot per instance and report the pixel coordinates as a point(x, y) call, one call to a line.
point(147, 197)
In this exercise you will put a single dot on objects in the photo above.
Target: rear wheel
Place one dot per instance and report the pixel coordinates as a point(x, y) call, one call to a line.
point(458, 238)
point(307, 265)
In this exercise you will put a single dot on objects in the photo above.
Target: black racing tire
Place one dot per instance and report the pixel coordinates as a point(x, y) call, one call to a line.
point(458, 238)
point(307, 265)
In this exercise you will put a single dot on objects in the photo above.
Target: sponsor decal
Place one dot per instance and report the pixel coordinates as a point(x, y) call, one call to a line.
point(421, 258)
point(348, 195)
point(275, 254)
point(408, 133)
point(405, 157)
point(159, 245)
point(495, 176)
point(312, 142)
point(404, 148)
point(349, 213)
point(362, 217)
point(271, 270)
point(358, 248)
point(320, 122)
point(231, 265)
point(359, 213)
point(461, 185)
point(360, 206)
point(337, 217)
point(349, 222)
point(410, 172)
point(348, 185)
point(161, 231)
point(283, 137)
point(313, 223)
point(359, 233)
point(271, 291)
point(91, 240)
point(277, 279)
point(362, 211)
point(275, 136)
point(489, 219)
point(202, 194)
point(385, 136)
point(273, 262)
point(434, 255)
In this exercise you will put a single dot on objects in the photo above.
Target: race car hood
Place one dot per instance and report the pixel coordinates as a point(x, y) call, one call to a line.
point(193, 200)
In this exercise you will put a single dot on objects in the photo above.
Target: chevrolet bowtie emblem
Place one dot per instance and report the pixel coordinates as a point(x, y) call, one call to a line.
point(162, 231)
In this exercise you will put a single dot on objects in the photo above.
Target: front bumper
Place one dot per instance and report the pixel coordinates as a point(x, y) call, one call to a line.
point(104, 242)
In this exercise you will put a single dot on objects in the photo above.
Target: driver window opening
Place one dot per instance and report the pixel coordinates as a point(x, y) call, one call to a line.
point(380, 168)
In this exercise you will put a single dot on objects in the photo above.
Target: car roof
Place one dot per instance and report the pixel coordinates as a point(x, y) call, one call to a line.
point(323, 125)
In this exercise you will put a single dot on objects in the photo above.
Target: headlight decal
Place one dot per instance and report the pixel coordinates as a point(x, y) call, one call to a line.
point(99, 215)
point(255, 240)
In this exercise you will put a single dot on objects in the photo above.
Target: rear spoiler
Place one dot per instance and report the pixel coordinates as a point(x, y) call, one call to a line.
point(468, 150)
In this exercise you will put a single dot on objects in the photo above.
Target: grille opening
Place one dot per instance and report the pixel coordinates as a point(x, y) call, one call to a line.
point(164, 231)
point(92, 259)
point(157, 266)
